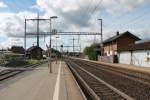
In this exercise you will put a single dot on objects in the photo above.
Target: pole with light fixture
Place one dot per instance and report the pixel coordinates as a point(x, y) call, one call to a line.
point(101, 37)
point(50, 65)
point(56, 49)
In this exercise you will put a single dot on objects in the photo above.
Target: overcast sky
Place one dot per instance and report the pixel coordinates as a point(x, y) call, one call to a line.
point(73, 15)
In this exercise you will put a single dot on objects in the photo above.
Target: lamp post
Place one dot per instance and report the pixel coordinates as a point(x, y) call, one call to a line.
point(56, 49)
point(52, 17)
point(101, 37)
point(61, 51)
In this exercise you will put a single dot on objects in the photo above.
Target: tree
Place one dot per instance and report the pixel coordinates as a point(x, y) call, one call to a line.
point(90, 51)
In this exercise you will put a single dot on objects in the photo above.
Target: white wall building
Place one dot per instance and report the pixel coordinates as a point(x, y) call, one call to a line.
point(137, 54)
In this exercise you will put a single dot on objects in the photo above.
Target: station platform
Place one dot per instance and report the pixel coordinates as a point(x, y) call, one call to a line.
point(127, 66)
point(123, 66)
point(39, 84)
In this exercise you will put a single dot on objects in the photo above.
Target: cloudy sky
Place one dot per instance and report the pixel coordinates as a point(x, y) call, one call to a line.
point(73, 15)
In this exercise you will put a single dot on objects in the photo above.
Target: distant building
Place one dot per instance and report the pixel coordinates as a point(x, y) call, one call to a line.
point(53, 53)
point(17, 49)
point(34, 52)
point(136, 54)
point(113, 44)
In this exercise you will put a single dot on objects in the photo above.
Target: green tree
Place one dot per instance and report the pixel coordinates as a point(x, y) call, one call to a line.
point(90, 51)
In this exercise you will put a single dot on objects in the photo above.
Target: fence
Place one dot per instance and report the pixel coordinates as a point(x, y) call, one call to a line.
point(108, 59)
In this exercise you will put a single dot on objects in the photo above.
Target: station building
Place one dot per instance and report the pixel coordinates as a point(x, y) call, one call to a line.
point(136, 54)
point(113, 44)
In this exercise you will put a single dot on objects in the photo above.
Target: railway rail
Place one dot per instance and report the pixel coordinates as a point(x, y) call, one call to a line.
point(108, 83)
point(8, 73)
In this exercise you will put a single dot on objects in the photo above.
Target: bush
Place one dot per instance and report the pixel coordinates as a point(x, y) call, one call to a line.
point(16, 63)
point(90, 52)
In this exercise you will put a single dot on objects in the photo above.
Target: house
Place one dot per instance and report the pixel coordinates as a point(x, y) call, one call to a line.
point(111, 45)
point(34, 52)
point(135, 54)
point(17, 50)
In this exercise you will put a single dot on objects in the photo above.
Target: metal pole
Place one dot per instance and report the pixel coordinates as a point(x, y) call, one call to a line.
point(50, 65)
point(61, 52)
point(73, 46)
point(56, 50)
point(25, 38)
point(101, 37)
point(38, 30)
point(56, 43)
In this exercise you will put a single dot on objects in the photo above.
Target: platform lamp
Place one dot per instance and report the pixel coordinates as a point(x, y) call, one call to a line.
point(56, 49)
point(52, 17)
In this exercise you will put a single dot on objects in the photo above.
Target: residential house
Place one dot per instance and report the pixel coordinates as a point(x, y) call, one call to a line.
point(17, 50)
point(34, 52)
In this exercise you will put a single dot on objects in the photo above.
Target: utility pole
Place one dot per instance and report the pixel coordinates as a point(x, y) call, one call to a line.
point(61, 51)
point(73, 44)
point(37, 34)
point(101, 37)
point(56, 42)
point(56, 50)
point(25, 37)
point(38, 30)
point(50, 51)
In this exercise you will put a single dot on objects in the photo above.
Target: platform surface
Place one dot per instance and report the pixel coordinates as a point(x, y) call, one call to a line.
point(39, 84)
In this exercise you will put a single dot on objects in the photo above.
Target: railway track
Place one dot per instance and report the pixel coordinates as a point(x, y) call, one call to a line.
point(9, 73)
point(97, 89)
point(5, 74)
point(129, 85)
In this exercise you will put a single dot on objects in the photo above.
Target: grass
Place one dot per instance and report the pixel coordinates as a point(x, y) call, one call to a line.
point(19, 61)
point(34, 61)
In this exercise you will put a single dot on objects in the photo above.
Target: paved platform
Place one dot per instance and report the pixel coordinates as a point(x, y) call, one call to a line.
point(125, 66)
point(39, 84)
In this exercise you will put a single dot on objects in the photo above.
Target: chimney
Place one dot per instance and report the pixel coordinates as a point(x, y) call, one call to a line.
point(117, 33)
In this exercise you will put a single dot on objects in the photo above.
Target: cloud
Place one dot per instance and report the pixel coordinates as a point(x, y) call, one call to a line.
point(73, 15)
point(3, 5)
point(143, 33)
point(7, 43)
point(69, 11)
point(13, 23)
point(117, 7)
point(80, 15)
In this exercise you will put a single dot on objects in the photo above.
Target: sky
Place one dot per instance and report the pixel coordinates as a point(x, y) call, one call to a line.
point(73, 15)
